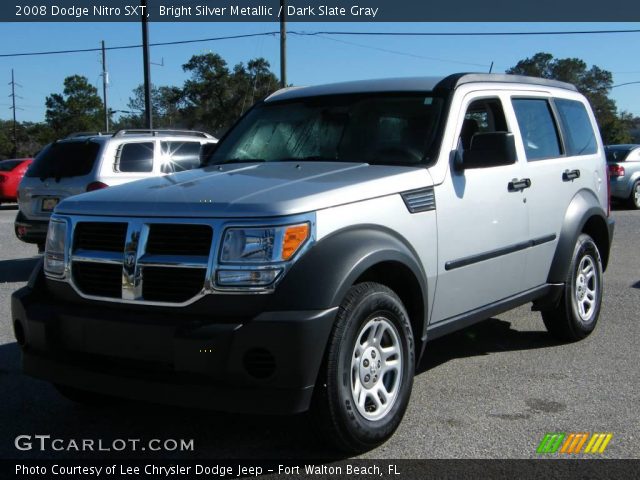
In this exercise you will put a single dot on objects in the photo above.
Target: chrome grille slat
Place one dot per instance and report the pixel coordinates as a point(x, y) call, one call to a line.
point(182, 261)
point(172, 257)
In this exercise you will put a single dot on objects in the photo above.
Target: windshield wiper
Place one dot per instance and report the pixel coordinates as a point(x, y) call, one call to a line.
point(239, 160)
point(310, 158)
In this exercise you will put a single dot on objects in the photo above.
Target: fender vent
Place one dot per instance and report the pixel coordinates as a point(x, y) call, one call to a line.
point(420, 200)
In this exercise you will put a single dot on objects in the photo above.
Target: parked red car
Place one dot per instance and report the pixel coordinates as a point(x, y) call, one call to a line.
point(11, 172)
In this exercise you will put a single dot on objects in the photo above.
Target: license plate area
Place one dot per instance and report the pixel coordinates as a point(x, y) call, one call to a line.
point(48, 204)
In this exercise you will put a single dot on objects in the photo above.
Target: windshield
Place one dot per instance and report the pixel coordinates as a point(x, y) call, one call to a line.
point(8, 165)
point(64, 159)
point(387, 129)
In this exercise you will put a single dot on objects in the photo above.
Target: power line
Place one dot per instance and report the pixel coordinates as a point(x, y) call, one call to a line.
point(626, 83)
point(396, 52)
point(320, 33)
point(125, 47)
point(469, 34)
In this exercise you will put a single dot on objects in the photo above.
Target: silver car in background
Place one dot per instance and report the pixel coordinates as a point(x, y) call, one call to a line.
point(84, 162)
point(624, 173)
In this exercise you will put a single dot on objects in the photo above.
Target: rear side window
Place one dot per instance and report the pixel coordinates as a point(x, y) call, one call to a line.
point(537, 127)
point(579, 136)
point(65, 159)
point(180, 156)
point(136, 157)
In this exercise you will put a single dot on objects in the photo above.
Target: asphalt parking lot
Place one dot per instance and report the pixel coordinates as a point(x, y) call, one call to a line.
point(490, 391)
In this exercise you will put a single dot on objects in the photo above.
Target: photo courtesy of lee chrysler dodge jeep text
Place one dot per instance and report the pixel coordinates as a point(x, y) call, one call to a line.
point(333, 232)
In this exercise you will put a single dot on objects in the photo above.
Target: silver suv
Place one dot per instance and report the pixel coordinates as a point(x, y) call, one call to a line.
point(84, 162)
point(334, 231)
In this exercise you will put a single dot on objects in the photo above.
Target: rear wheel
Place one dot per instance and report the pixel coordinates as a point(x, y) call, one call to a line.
point(634, 199)
point(577, 313)
point(364, 387)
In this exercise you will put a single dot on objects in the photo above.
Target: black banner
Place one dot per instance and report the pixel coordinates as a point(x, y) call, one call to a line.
point(315, 469)
point(320, 11)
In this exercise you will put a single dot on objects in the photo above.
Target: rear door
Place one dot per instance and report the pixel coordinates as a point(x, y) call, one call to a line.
point(557, 139)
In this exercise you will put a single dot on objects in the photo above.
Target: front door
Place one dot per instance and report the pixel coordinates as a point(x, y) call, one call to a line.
point(482, 220)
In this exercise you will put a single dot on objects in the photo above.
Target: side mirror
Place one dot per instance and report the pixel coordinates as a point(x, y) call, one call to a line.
point(490, 149)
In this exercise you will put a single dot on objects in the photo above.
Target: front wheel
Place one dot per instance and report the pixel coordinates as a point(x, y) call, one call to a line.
point(365, 385)
point(576, 315)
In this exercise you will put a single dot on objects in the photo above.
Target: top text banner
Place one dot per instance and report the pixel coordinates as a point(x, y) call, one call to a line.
point(321, 11)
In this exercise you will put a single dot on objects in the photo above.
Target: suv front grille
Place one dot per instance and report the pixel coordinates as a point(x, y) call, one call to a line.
point(100, 236)
point(98, 279)
point(168, 263)
point(176, 239)
point(171, 284)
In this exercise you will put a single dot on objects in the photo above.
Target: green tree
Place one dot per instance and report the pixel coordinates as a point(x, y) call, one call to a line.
point(31, 138)
point(167, 103)
point(78, 108)
point(594, 83)
point(215, 96)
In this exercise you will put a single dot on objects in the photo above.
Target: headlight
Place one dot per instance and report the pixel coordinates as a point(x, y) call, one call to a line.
point(263, 245)
point(54, 262)
point(259, 253)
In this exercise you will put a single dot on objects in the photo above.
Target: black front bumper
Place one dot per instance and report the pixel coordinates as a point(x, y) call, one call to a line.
point(266, 363)
point(30, 231)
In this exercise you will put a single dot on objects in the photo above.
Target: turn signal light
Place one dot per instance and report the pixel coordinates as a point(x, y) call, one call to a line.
point(294, 237)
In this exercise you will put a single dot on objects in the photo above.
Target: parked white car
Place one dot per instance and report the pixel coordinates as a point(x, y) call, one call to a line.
point(84, 162)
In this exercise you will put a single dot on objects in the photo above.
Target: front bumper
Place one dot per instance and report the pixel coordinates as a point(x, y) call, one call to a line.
point(267, 363)
point(30, 231)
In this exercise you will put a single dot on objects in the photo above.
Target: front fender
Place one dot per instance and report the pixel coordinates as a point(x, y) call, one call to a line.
point(322, 277)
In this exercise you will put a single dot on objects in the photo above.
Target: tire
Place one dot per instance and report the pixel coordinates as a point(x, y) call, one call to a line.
point(634, 198)
point(349, 372)
point(84, 397)
point(577, 313)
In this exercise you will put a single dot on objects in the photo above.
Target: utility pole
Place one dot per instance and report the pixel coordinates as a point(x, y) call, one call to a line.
point(14, 108)
point(148, 115)
point(105, 81)
point(283, 44)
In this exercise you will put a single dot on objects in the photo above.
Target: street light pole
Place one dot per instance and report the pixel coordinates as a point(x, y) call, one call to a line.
point(105, 81)
point(148, 115)
point(283, 44)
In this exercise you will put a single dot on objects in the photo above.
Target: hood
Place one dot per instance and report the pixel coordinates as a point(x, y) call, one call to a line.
point(249, 190)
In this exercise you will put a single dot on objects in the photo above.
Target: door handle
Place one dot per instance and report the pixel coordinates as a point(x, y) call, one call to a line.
point(569, 175)
point(516, 185)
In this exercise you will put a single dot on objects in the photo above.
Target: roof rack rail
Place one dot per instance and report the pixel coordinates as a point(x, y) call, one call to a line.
point(88, 134)
point(160, 131)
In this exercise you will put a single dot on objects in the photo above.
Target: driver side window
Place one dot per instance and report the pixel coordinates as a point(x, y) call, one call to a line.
point(482, 116)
